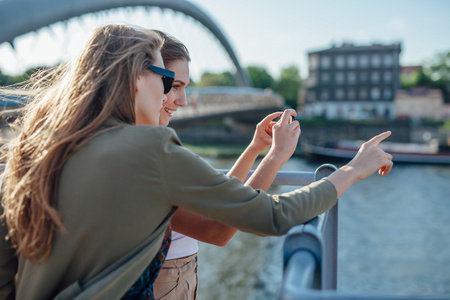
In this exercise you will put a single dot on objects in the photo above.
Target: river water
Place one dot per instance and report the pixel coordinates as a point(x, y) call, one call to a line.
point(394, 238)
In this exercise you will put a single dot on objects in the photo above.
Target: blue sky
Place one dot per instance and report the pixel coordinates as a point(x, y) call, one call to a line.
point(268, 33)
point(280, 33)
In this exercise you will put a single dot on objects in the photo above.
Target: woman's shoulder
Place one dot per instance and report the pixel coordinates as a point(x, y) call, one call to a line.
point(148, 131)
point(155, 130)
point(137, 142)
point(144, 135)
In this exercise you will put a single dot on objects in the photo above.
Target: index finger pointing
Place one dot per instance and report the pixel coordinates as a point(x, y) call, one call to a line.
point(378, 138)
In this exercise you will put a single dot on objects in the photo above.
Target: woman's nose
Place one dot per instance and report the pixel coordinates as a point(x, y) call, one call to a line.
point(182, 100)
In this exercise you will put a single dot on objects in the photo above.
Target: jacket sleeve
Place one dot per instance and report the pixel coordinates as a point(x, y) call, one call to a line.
point(191, 183)
point(8, 264)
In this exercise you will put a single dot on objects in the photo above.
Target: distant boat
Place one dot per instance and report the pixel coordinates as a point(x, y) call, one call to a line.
point(430, 153)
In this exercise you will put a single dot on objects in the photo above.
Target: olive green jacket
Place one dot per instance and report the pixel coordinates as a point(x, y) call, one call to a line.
point(116, 196)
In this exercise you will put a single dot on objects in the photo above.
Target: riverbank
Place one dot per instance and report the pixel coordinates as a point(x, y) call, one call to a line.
point(319, 132)
point(229, 136)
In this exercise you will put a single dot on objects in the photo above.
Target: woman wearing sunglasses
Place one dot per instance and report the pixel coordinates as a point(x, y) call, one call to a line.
point(178, 276)
point(87, 196)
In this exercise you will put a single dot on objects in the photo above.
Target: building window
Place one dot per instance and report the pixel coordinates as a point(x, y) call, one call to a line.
point(363, 93)
point(340, 62)
point(311, 96)
point(312, 79)
point(351, 94)
point(325, 62)
point(363, 61)
point(339, 93)
point(375, 77)
point(375, 93)
point(351, 77)
point(339, 77)
point(324, 95)
point(387, 94)
point(388, 60)
point(325, 77)
point(375, 60)
point(363, 77)
point(387, 76)
point(313, 62)
point(351, 61)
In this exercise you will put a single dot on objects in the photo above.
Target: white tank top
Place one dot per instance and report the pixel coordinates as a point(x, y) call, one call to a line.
point(181, 246)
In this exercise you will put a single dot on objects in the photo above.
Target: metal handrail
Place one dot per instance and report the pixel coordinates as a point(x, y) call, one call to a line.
point(310, 259)
point(310, 249)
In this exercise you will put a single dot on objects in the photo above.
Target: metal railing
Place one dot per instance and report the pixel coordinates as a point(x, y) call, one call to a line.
point(310, 252)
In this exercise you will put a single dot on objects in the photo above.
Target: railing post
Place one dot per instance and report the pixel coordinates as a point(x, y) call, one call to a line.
point(310, 251)
point(330, 235)
point(303, 238)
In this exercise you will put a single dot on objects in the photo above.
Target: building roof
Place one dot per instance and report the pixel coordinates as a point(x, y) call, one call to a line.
point(419, 92)
point(349, 47)
point(410, 69)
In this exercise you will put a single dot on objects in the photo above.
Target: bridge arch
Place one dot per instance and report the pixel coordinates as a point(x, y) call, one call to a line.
point(18, 17)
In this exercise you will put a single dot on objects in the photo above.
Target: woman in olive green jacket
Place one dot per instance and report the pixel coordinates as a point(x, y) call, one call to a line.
point(87, 196)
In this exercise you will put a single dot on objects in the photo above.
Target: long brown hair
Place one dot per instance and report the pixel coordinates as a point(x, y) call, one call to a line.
point(69, 104)
point(172, 49)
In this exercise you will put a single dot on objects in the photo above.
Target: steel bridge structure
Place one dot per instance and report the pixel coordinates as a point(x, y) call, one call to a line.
point(18, 17)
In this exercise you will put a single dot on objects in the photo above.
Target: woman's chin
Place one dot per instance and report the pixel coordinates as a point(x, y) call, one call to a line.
point(164, 122)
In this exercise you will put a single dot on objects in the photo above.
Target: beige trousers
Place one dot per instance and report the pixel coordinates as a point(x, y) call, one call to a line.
point(177, 279)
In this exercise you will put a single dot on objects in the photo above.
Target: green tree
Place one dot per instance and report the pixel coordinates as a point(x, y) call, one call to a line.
point(416, 79)
point(289, 85)
point(433, 74)
point(260, 77)
point(409, 80)
point(4, 79)
point(10, 79)
point(438, 68)
point(219, 79)
point(437, 74)
point(422, 79)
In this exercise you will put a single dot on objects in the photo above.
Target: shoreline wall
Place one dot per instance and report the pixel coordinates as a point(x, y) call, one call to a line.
point(233, 130)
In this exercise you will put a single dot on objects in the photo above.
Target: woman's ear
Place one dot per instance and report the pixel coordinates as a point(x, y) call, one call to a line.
point(138, 83)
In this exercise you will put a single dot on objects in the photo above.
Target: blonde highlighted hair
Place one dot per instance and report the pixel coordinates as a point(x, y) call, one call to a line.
point(67, 108)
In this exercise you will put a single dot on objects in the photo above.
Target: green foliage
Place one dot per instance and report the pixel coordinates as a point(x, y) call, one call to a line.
point(6, 80)
point(220, 79)
point(445, 126)
point(423, 79)
point(409, 81)
point(260, 77)
point(436, 74)
point(9, 80)
point(289, 85)
point(438, 68)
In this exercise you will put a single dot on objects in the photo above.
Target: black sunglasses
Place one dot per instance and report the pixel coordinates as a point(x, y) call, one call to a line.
point(168, 77)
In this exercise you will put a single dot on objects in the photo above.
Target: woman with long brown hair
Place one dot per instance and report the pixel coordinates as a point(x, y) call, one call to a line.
point(87, 196)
